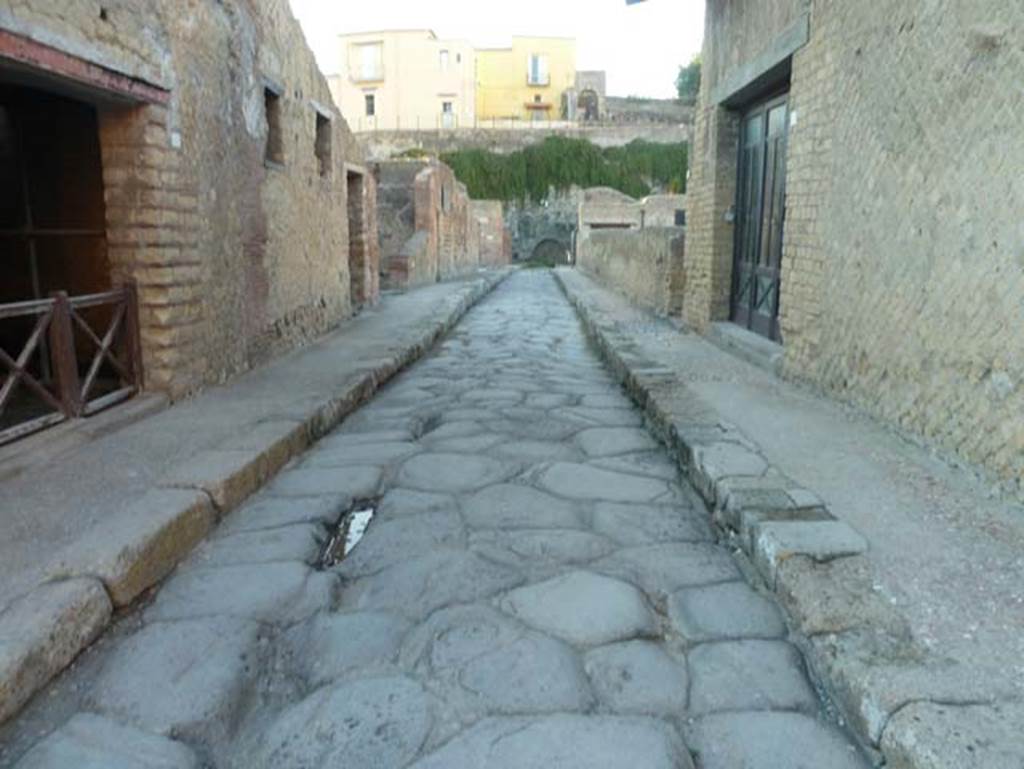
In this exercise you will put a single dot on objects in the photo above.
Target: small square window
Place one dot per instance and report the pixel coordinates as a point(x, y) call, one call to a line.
point(680, 217)
point(323, 144)
point(274, 148)
point(371, 105)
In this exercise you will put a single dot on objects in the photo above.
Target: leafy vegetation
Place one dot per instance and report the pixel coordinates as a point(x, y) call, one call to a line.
point(688, 81)
point(636, 169)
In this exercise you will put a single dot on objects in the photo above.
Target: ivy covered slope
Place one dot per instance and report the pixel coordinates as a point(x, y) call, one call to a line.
point(636, 169)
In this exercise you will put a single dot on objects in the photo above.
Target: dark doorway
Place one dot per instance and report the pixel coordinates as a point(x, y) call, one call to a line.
point(52, 239)
point(589, 105)
point(357, 245)
point(760, 214)
point(551, 253)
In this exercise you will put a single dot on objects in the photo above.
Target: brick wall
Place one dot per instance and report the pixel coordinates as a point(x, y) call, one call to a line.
point(236, 260)
point(428, 227)
point(902, 275)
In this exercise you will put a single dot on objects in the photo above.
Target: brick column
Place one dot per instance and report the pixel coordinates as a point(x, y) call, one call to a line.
point(711, 193)
point(152, 236)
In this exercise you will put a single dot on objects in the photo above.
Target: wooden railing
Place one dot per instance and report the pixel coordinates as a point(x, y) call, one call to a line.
point(69, 354)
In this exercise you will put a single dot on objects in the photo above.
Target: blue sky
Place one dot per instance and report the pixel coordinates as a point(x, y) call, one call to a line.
point(640, 46)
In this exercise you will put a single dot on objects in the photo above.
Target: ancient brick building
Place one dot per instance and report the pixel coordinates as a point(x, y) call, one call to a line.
point(430, 230)
point(194, 149)
point(856, 193)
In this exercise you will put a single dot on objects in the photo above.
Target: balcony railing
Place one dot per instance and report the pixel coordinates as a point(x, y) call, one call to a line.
point(77, 355)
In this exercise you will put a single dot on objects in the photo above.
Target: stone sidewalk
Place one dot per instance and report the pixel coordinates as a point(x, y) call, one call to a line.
point(905, 576)
point(537, 589)
point(87, 533)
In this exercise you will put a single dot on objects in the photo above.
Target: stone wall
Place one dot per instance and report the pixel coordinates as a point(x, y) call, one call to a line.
point(902, 274)
point(646, 265)
point(236, 258)
point(429, 228)
point(602, 209)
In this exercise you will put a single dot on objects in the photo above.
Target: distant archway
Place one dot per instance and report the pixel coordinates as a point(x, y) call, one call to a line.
point(589, 105)
point(551, 252)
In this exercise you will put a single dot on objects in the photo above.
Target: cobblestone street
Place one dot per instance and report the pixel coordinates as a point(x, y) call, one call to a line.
point(536, 590)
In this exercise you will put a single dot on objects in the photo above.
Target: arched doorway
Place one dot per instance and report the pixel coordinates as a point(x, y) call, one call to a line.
point(551, 252)
point(589, 105)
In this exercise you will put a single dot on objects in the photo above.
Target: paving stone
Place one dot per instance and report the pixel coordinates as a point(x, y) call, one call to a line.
point(717, 612)
point(534, 451)
point(89, 741)
point(563, 741)
point(328, 646)
point(461, 429)
point(627, 417)
point(266, 512)
point(663, 569)
point(534, 547)
point(775, 541)
point(388, 542)
point(507, 506)
point(725, 459)
point(548, 429)
point(362, 454)
point(637, 677)
point(470, 445)
point(375, 722)
point(451, 472)
point(358, 482)
point(548, 400)
point(770, 741)
point(653, 464)
point(639, 524)
point(42, 632)
point(464, 414)
point(282, 592)
point(343, 440)
point(483, 662)
point(578, 481)
point(928, 735)
point(418, 586)
point(609, 441)
point(583, 608)
point(227, 476)
point(398, 503)
point(184, 678)
point(152, 535)
point(301, 542)
point(748, 675)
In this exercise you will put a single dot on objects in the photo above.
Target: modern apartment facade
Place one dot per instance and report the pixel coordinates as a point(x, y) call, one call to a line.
point(404, 80)
point(533, 80)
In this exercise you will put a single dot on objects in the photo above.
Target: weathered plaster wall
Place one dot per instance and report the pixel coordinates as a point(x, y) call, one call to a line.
point(236, 260)
point(902, 273)
point(645, 265)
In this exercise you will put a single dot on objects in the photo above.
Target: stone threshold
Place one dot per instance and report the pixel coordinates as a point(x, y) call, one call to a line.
point(859, 648)
point(112, 565)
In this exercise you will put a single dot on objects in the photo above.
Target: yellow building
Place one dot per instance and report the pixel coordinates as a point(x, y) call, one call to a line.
point(527, 81)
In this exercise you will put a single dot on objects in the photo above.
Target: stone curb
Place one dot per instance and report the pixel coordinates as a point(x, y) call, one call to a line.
point(42, 632)
point(858, 647)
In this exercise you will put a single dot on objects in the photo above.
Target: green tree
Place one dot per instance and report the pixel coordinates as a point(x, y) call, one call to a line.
point(688, 81)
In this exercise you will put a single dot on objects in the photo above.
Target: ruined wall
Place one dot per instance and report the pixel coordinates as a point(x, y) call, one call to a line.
point(603, 208)
point(494, 241)
point(645, 265)
point(428, 231)
point(902, 272)
point(236, 259)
